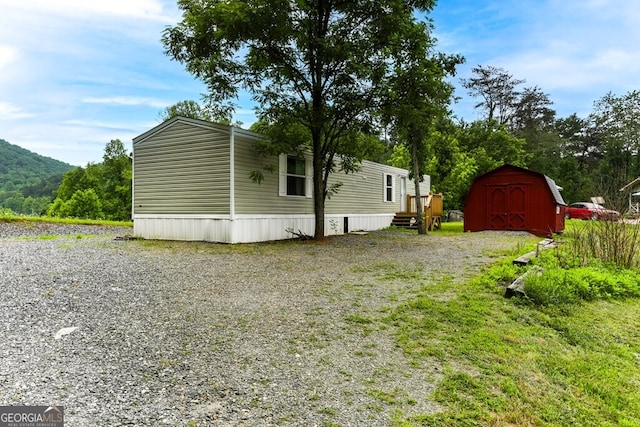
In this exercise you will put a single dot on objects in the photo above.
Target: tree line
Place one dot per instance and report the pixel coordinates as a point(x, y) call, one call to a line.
point(329, 74)
point(99, 190)
point(352, 80)
point(96, 191)
point(587, 157)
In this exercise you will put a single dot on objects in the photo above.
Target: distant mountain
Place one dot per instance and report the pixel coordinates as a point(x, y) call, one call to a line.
point(27, 175)
point(20, 167)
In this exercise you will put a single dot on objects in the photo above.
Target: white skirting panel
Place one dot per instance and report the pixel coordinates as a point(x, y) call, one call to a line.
point(335, 224)
point(182, 228)
point(248, 229)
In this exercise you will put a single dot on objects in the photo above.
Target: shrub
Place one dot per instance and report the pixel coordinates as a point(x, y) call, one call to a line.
point(83, 204)
point(556, 286)
point(615, 243)
point(6, 212)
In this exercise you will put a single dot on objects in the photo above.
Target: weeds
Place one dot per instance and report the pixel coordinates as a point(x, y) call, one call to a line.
point(557, 286)
point(598, 260)
point(48, 236)
point(615, 243)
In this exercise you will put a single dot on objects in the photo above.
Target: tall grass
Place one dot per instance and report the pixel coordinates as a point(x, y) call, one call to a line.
point(596, 261)
point(613, 243)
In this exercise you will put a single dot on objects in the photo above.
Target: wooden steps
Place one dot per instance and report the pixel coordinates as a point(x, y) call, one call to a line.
point(432, 205)
point(405, 220)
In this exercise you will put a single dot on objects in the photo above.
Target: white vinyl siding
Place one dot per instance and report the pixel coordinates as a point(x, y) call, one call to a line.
point(265, 198)
point(183, 169)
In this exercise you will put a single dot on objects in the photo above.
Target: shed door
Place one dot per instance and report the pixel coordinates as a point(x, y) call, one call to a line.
point(507, 207)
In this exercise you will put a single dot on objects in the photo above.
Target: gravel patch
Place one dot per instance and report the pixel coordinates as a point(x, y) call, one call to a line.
point(186, 334)
point(39, 229)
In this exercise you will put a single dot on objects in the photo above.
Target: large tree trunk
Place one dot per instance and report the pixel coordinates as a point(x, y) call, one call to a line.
point(317, 32)
point(416, 180)
point(318, 186)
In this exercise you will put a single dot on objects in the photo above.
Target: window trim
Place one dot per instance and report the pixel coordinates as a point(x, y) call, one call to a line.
point(386, 187)
point(308, 176)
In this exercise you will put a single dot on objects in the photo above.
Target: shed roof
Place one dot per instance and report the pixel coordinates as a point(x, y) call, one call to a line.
point(632, 183)
point(555, 190)
point(551, 184)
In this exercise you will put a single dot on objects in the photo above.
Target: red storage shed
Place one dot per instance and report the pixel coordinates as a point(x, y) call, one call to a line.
point(514, 198)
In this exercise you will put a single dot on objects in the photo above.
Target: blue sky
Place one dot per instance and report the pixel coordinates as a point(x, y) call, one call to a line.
point(75, 74)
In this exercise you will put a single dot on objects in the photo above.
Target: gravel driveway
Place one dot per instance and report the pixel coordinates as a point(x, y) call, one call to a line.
point(196, 334)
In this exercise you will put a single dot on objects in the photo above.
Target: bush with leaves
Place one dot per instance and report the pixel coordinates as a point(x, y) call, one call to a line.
point(83, 204)
point(110, 185)
point(597, 260)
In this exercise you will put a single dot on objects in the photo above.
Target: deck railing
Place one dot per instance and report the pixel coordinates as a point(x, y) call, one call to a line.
point(411, 203)
point(432, 207)
point(431, 200)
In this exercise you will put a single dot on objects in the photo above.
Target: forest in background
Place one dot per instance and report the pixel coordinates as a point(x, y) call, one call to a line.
point(28, 180)
point(31, 184)
point(588, 156)
point(592, 156)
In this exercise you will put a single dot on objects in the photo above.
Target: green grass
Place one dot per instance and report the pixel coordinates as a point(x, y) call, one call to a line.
point(450, 228)
point(446, 228)
point(523, 362)
point(12, 217)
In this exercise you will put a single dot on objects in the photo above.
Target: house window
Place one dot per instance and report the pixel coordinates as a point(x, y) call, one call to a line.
point(389, 194)
point(296, 178)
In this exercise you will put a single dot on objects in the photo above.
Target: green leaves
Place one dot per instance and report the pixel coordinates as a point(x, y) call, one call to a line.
point(99, 191)
point(320, 65)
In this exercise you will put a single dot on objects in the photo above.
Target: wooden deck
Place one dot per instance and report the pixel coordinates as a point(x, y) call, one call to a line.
point(432, 211)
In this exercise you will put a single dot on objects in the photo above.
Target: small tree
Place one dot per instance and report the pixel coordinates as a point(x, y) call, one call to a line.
point(83, 204)
point(117, 174)
point(418, 97)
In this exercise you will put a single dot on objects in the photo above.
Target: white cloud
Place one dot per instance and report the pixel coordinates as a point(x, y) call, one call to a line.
point(11, 112)
point(8, 55)
point(96, 124)
point(126, 100)
point(574, 50)
point(75, 74)
point(147, 9)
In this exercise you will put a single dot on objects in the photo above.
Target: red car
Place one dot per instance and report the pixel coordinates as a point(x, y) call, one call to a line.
point(585, 210)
